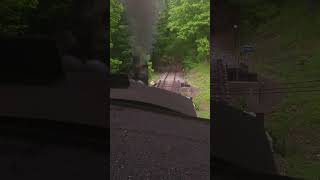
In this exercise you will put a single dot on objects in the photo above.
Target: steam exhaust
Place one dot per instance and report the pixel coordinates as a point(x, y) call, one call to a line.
point(142, 18)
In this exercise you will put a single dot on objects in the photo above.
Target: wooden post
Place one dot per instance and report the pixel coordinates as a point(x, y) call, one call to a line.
point(259, 96)
point(237, 68)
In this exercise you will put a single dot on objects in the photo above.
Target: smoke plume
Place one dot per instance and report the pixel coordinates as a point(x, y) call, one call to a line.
point(142, 18)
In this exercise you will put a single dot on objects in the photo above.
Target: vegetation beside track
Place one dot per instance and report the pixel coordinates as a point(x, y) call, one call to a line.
point(199, 77)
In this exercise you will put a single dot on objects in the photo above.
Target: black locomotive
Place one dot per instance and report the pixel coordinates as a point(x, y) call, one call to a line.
point(140, 70)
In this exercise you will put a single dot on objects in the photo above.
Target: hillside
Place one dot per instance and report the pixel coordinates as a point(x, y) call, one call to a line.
point(288, 50)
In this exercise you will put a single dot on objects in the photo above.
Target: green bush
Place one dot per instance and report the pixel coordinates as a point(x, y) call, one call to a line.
point(190, 62)
point(280, 146)
point(203, 47)
point(115, 65)
point(150, 69)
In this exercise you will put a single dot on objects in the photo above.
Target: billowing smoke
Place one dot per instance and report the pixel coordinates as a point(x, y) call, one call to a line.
point(142, 18)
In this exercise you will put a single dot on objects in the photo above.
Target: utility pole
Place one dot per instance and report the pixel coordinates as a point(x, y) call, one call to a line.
point(312, 4)
point(260, 84)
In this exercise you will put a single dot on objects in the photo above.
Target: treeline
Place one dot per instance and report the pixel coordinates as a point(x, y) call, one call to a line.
point(78, 26)
point(183, 33)
point(33, 16)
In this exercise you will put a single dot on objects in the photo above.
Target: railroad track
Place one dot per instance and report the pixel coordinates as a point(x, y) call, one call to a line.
point(163, 82)
point(169, 82)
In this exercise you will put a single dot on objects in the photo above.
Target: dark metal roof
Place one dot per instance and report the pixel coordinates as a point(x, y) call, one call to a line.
point(240, 138)
point(80, 98)
point(156, 96)
point(151, 145)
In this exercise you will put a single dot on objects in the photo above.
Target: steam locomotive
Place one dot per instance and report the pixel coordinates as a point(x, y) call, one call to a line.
point(140, 70)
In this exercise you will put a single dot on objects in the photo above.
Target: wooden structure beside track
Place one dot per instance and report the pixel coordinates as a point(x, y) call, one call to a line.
point(220, 86)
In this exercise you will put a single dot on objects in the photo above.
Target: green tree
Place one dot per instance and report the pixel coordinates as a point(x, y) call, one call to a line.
point(13, 15)
point(120, 49)
point(116, 9)
point(183, 32)
point(189, 19)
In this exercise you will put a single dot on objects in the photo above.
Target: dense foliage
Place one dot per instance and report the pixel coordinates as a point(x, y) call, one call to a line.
point(76, 26)
point(183, 33)
point(13, 15)
point(33, 16)
point(120, 50)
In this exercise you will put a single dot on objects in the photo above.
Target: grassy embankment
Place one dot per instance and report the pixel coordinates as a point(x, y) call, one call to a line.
point(288, 50)
point(199, 77)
